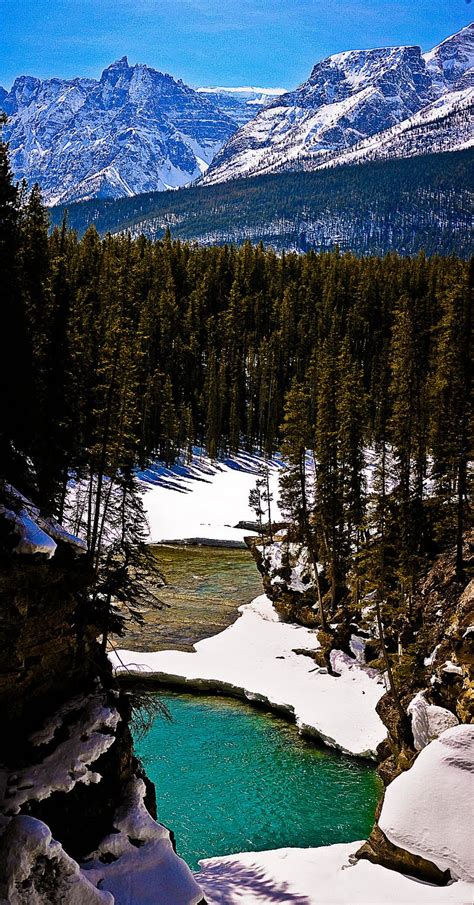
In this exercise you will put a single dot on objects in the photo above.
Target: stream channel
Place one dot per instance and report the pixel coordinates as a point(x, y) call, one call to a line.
point(229, 777)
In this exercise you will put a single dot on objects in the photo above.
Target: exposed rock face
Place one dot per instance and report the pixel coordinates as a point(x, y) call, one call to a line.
point(382, 102)
point(379, 850)
point(443, 667)
point(68, 776)
point(287, 579)
point(135, 130)
point(47, 653)
point(39, 870)
point(48, 647)
point(424, 821)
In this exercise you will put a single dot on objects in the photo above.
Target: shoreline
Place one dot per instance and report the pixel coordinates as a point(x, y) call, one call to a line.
point(255, 660)
point(214, 688)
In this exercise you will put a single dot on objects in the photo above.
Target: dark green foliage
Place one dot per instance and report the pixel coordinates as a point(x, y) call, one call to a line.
point(118, 351)
point(401, 205)
point(16, 371)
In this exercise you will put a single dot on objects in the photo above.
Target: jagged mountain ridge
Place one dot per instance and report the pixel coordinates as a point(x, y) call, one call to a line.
point(351, 98)
point(138, 130)
point(134, 130)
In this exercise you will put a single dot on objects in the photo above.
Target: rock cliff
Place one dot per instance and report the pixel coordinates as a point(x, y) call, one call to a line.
point(76, 811)
point(433, 662)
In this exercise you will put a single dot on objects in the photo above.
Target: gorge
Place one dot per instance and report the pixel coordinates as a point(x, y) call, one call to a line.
point(312, 409)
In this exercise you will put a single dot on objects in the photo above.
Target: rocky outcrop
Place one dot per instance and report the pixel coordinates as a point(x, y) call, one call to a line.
point(288, 581)
point(435, 671)
point(69, 782)
point(379, 850)
point(48, 652)
point(437, 693)
point(287, 578)
point(37, 869)
point(424, 820)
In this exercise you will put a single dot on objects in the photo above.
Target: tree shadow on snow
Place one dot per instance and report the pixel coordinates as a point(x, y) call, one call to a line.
point(221, 883)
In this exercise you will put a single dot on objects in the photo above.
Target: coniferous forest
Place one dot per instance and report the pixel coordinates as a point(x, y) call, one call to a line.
point(236, 456)
point(408, 205)
point(117, 352)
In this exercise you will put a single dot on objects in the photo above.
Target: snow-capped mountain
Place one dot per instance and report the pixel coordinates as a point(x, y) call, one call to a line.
point(446, 124)
point(241, 104)
point(450, 61)
point(354, 99)
point(138, 130)
point(135, 130)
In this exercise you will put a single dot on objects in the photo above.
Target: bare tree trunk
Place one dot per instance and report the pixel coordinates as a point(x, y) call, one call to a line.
point(269, 509)
point(309, 540)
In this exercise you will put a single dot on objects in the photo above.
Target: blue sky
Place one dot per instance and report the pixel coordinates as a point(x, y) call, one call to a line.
point(210, 42)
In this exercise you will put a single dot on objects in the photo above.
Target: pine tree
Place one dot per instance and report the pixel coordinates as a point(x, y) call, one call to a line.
point(294, 491)
point(329, 477)
point(212, 405)
point(351, 412)
point(451, 412)
point(17, 402)
point(407, 436)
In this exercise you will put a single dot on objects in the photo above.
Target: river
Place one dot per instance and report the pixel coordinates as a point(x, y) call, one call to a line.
point(229, 777)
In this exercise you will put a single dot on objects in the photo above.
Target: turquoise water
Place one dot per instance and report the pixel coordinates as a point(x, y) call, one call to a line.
point(229, 778)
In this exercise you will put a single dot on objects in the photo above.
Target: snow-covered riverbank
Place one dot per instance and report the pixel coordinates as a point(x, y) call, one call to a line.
point(255, 658)
point(317, 876)
point(428, 810)
point(262, 659)
point(204, 499)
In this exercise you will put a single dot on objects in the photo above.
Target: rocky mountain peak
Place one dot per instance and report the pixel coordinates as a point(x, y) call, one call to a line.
point(350, 98)
point(134, 130)
point(117, 66)
point(451, 59)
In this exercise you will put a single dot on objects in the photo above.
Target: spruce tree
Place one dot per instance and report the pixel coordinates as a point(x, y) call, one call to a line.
point(17, 402)
point(295, 499)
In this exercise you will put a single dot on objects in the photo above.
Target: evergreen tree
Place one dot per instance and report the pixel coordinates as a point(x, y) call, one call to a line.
point(451, 412)
point(295, 501)
point(17, 402)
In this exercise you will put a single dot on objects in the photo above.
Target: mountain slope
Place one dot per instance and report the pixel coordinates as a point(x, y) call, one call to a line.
point(449, 61)
point(394, 205)
point(349, 98)
point(447, 124)
point(135, 130)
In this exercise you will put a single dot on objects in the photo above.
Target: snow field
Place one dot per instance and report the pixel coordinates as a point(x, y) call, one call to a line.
point(317, 876)
point(339, 711)
point(204, 499)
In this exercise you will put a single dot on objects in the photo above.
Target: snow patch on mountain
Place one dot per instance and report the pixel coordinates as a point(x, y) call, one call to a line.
point(447, 124)
point(135, 130)
point(242, 103)
point(363, 100)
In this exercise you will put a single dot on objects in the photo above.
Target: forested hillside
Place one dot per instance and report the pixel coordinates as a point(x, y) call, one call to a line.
point(120, 351)
point(357, 370)
point(412, 205)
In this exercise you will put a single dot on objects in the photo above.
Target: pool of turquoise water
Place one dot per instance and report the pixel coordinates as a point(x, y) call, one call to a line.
point(231, 778)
